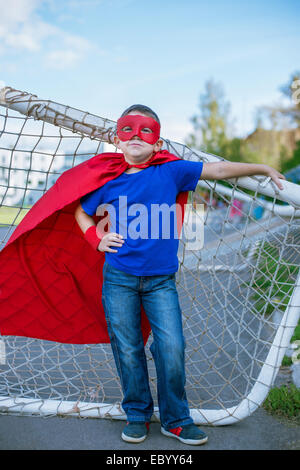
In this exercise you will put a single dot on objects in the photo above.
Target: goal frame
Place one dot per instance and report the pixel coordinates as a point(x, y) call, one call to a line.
point(96, 127)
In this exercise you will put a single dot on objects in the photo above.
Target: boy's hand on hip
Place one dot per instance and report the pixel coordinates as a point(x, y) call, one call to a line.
point(110, 239)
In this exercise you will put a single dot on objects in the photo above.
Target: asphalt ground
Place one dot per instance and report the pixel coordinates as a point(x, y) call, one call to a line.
point(259, 431)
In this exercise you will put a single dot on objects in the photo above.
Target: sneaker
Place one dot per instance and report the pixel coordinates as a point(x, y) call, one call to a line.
point(135, 432)
point(188, 434)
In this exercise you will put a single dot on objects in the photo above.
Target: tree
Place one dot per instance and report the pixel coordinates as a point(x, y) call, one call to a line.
point(211, 124)
point(292, 90)
point(288, 164)
point(273, 146)
point(274, 139)
point(285, 116)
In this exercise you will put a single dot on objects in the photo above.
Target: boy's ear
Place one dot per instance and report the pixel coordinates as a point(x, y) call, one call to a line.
point(116, 140)
point(158, 145)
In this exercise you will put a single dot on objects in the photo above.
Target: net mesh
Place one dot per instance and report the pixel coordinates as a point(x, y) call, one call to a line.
point(239, 293)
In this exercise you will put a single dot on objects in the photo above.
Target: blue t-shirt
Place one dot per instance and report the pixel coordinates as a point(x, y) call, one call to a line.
point(142, 208)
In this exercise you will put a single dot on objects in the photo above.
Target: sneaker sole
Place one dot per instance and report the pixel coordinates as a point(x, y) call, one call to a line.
point(133, 439)
point(193, 442)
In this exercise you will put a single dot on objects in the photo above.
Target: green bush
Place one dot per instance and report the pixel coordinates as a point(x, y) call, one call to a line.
point(284, 401)
point(286, 361)
point(273, 281)
point(296, 335)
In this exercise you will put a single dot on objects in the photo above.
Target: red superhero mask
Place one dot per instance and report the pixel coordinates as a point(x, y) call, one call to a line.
point(144, 127)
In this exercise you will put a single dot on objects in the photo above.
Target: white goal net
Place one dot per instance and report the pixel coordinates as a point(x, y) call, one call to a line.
point(239, 293)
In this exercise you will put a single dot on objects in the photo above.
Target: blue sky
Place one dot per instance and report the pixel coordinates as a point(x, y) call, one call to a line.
point(104, 55)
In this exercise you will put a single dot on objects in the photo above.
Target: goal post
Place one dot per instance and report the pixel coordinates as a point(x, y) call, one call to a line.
point(239, 294)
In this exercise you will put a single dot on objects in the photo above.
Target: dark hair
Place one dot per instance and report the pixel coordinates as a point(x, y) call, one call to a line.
point(142, 109)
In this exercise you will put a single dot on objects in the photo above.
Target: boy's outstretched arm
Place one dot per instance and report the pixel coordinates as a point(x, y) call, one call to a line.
point(225, 170)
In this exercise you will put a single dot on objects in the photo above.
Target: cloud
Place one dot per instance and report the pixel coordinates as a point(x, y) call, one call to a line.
point(62, 59)
point(16, 11)
point(17, 22)
point(22, 29)
point(83, 3)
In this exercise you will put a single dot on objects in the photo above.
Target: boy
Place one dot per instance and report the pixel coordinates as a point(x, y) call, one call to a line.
point(141, 270)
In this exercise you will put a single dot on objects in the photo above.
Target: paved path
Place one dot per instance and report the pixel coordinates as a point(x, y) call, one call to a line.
point(260, 431)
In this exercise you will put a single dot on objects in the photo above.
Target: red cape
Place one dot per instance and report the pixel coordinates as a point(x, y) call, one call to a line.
point(50, 277)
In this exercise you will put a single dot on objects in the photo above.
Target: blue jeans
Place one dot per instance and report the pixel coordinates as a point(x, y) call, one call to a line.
point(122, 296)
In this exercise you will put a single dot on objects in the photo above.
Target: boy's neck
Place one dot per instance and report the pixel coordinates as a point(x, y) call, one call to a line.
point(133, 170)
point(136, 160)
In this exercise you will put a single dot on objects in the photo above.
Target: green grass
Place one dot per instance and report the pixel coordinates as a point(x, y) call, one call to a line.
point(284, 402)
point(286, 361)
point(11, 215)
point(273, 284)
point(296, 335)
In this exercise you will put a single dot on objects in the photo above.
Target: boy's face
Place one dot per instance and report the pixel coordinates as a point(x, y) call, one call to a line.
point(136, 149)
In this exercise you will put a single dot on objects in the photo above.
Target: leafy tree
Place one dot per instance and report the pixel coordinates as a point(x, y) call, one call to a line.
point(213, 127)
point(211, 124)
point(292, 90)
point(285, 116)
point(287, 165)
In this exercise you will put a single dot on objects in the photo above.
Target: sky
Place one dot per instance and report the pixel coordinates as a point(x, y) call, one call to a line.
point(102, 56)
